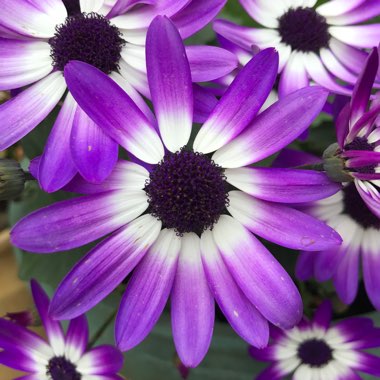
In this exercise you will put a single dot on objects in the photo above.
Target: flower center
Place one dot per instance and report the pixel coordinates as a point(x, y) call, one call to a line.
point(361, 143)
point(187, 192)
point(355, 207)
point(315, 352)
point(90, 38)
point(59, 368)
point(304, 29)
point(72, 6)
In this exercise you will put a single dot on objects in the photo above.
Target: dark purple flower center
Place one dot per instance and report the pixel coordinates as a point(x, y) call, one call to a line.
point(72, 6)
point(361, 143)
point(304, 29)
point(315, 352)
point(355, 207)
point(59, 368)
point(90, 38)
point(187, 192)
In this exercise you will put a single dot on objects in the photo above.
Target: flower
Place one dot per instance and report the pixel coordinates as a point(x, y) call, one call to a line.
point(356, 156)
point(347, 213)
point(175, 221)
point(315, 44)
point(64, 356)
point(37, 42)
point(316, 350)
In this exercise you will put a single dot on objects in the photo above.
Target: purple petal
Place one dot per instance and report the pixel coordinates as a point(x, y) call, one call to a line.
point(121, 6)
point(305, 265)
point(263, 280)
point(290, 158)
point(362, 361)
point(282, 185)
point(363, 87)
point(327, 262)
point(323, 315)
point(19, 361)
point(22, 113)
point(53, 328)
point(113, 110)
point(169, 82)
point(93, 151)
point(77, 338)
point(241, 102)
point(23, 62)
point(204, 103)
point(338, 7)
point(280, 224)
point(125, 176)
point(362, 36)
point(273, 129)
point(100, 271)
point(75, 222)
point(196, 15)
point(342, 125)
point(243, 317)
point(32, 18)
point(370, 195)
point(294, 75)
point(147, 291)
point(209, 62)
point(101, 360)
point(192, 310)
point(56, 166)
point(273, 372)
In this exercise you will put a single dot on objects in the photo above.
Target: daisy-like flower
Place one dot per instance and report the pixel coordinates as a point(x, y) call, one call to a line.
point(193, 241)
point(319, 44)
point(356, 156)
point(63, 356)
point(347, 213)
point(317, 350)
point(38, 40)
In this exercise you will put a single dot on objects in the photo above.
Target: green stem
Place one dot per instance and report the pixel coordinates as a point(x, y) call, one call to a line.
point(102, 329)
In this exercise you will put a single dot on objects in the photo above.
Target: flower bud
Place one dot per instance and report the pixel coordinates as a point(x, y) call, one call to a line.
point(334, 165)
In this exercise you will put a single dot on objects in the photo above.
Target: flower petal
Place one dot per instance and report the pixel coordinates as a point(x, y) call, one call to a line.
point(22, 113)
point(192, 310)
point(56, 166)
point(21, 362)
point(76, 338)
point(280, 224)
point(23, 62)
point(243, 317)
point(241, 102)
point(53, 228)
point(338, 7)
point(274, 128)
point(53, 328)
point(282, 185)
point(147, 291)
point(323, 314)
point(101, 270)
point(93, 151)
point(113, 110)
point(263, 280)
point(169, 82)
point(368, 35)
point(204, 103)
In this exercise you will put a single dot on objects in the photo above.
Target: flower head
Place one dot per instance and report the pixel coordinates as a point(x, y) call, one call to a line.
point(63, 356)
point(37, 42)
point(317, 44)
point(316, 349)
point(182, 215)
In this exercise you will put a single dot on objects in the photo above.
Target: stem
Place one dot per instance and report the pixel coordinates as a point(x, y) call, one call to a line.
point(101, 330)
point(318, 167)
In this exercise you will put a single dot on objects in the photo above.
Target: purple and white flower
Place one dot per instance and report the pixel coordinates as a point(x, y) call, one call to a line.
point(181, 217)
point(317, 350)
point(316, 44)
point(347, 213)
point(358, 134)
point(37, 40)
point(63, 356)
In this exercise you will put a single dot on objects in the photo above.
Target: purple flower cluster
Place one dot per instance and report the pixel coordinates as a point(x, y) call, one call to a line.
point(184, 216)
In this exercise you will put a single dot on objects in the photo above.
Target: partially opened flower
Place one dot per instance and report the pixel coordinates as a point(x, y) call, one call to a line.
point(319, 44)
point(63, 356)
point(178, 223)
point(38, 40)
point(356, 156)
point(317, 350)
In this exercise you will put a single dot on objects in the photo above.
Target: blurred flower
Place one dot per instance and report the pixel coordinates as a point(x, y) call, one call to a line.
point(186, 244)
point(22, 318)
point(64, 356)
point(315, 44)
point(37, 42)
point(356, 156)
point(12, 179)
point(318, 350)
